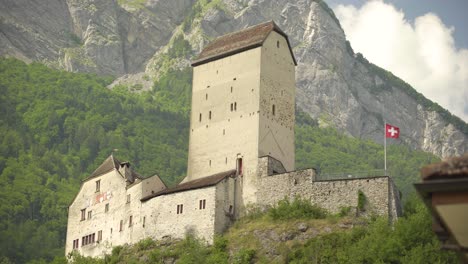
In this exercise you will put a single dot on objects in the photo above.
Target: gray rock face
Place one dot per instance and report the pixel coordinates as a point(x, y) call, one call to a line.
point(127, 39)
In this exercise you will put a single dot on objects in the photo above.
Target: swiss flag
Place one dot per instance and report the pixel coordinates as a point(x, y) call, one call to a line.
point(391, 131)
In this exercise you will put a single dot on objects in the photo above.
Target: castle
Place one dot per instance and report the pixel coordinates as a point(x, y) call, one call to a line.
point(241, 154)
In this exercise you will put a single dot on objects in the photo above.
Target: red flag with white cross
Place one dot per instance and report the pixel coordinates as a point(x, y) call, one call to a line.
point(392, 131)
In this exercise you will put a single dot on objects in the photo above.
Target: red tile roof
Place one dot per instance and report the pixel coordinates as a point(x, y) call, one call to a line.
point(194, 184)
point(239, 41)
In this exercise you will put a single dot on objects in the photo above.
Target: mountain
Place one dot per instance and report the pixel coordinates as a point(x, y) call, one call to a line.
point(140, 40)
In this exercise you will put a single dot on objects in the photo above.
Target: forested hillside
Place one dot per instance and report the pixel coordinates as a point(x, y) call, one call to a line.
point(57, 127)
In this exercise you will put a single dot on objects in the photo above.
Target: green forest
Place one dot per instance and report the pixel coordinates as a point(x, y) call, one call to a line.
point(57, 127)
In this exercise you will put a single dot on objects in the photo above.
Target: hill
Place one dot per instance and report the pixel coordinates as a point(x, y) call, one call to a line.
point(59, 126)
point(308, 237)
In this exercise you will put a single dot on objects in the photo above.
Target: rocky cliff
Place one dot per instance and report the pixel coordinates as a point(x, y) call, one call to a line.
point(131, 39)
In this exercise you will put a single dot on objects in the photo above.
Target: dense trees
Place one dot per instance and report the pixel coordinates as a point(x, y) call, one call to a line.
point(56, 127)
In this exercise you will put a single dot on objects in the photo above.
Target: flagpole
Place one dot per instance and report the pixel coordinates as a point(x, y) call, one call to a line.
point(385, 148)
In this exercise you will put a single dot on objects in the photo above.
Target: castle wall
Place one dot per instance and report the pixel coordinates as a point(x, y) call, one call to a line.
point(162, 217)
point(278, 90)
point(331, 195)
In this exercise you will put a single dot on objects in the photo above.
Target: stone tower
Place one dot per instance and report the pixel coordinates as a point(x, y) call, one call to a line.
point(243, 103)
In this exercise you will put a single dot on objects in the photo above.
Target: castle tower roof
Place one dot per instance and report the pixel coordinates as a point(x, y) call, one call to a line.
point(239, 41)
point(110, 164)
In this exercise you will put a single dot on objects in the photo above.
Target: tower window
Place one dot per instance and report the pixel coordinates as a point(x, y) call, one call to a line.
point(180, 208)
point(235, 106)
point(209, 115)
point(232, 107)
point(206, 96)
point(202, 204)
point(239, 166)
point(199, 118)
point(130, 221)
point(277, 44)
point(273, 109)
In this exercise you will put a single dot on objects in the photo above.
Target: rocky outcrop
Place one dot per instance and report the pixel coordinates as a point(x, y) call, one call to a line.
point(335, 85)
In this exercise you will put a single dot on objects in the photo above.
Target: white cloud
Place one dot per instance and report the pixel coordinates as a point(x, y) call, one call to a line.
point(421, 53)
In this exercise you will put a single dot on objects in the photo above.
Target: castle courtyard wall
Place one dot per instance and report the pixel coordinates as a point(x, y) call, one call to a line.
point(332, 195)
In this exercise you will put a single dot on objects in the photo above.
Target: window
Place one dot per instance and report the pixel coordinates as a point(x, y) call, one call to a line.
point(90, 213)
point(199, 118)
point(232, 107)
point(121, 226)
point(128, 198)
point(230, 209)
point(76, 243)
point(239, 166)
point(99, 235)
point(130, 221)
point(144, 221)
point(209, 115)
point(86, 240)
point(106, 209)
point(83, 214)
point(206, 96)
point(235, 106)
point(98, 185)
point(180, 208)
point(210, 163)
point(273, 109)
point(277, 44)
point(231, 89)
point(202, 204)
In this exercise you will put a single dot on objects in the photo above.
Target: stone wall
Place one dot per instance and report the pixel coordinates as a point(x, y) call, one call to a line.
point(333, 195)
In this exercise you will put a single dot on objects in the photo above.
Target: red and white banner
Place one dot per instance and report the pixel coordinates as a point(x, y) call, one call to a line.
point(392, 131)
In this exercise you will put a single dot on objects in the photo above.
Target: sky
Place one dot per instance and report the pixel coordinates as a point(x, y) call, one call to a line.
point(424, 42)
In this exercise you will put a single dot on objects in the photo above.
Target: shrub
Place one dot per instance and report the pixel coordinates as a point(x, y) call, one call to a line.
point(297, 209)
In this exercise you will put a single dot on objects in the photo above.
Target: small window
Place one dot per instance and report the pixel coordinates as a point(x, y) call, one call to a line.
point(234, 78)
point(128, 198)
point(98, 185)
point(231, 89)
point(273, 109)
point(121, 226)
point(90, 214)
point(230, 209)
point(209, 115)
point(232, 107)
point(277, 44)
point(130, 221)
point(99, 235)
point(83, 214)
point(206, 96)
point(235, 106)
point(225, 161)
point(106, 209)
point(210, 163)
point(224, 131)
point(144, 221)
point(202, 204)
point(180, 208)
point(239, 166)
point(199, 118)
